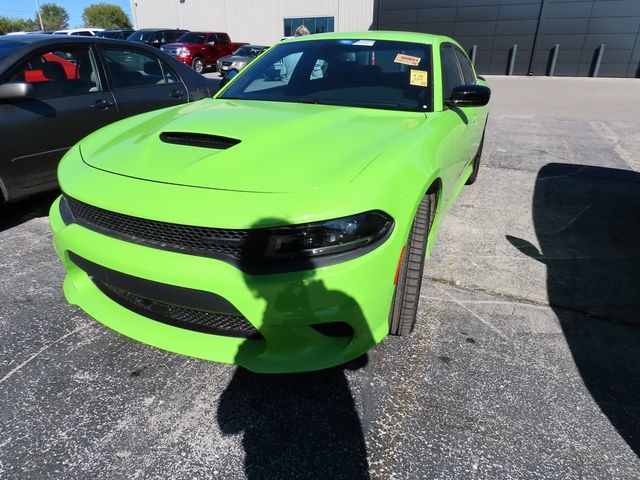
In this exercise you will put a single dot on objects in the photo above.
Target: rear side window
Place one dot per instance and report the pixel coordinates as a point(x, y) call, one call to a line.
point(465, 66)
point(60, 72)
point(222, 39)
point(130, 68)
point(451, 76)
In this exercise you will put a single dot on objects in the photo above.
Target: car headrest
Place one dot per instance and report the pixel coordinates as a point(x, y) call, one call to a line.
point(152, 68)
point(85, 71)
point(54, 71)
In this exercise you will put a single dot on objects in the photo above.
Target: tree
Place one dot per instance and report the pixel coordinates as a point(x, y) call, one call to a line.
point(54, 17)
point(8, 25)
point(105, 15)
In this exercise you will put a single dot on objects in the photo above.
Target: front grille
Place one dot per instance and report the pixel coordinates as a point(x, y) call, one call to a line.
point(226, 64)
point(184, 317)
point(171, 51)
point(234, 245)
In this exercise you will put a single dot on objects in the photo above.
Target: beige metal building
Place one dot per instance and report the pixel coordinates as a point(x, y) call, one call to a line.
point(254, 21)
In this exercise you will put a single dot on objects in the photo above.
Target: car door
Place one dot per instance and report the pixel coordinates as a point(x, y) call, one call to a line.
point(222, 47)
point(476, 115)
point(69, 102)
point(457, 118)
point(140, 80)
point(210, 46)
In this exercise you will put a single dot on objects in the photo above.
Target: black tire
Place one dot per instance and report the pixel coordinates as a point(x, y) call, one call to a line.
point(402, 316)
point(197, 64)
point(476, 163)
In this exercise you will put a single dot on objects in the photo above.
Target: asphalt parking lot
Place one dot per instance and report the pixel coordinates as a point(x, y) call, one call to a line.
point(525, 363)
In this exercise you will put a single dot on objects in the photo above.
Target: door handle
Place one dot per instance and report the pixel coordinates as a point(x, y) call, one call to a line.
point(177, 93)
point(102, 104)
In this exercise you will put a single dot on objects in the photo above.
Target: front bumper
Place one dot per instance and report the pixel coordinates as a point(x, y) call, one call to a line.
point(281, 307)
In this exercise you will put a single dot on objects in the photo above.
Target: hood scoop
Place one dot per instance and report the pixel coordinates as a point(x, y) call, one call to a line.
point(198, 140)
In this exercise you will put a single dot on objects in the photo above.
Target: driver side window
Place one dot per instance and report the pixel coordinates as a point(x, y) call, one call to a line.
point(451, 75)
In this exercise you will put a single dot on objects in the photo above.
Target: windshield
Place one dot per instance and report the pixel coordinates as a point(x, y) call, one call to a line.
point(248, 51)
point(360, 73)
point(191, 37)
point(141, 36)
point(7, 47)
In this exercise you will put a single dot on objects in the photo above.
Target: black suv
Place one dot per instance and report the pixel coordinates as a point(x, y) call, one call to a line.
point(156, 37)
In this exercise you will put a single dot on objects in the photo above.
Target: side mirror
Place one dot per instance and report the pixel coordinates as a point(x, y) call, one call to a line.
point(15, 91)
point(211, 44)
point(228, 77)
point(469, 96)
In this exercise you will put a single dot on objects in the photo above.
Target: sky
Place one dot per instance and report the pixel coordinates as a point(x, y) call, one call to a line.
point(27, 8)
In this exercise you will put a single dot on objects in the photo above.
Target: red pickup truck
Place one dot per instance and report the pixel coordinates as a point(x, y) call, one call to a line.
point(201, 49)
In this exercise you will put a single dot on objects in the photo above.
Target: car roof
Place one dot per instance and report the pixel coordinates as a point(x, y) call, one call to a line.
point(44, 38)
point(37, 41)
point(375, 35)
point(84, 29)
point(160, 29)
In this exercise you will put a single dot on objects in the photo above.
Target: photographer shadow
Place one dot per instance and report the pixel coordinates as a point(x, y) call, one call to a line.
point(298, 425)
point(587, 220)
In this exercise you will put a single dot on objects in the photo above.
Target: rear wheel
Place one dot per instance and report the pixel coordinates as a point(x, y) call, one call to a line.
point(402, 317)
point(197, 64)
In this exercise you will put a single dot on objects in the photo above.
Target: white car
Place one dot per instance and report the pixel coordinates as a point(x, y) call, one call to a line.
point(85, 32)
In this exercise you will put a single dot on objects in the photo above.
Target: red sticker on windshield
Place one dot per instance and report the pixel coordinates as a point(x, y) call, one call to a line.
point(407, 60)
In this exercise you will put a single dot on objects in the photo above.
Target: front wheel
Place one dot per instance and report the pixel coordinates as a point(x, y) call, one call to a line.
point(402, 317)
point(198, 65)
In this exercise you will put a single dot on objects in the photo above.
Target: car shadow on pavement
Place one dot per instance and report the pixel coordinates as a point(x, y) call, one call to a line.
point(298, 425)
point(587, 221)
point(16, 213)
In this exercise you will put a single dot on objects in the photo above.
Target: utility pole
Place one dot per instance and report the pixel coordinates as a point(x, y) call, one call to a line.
point(39, 16)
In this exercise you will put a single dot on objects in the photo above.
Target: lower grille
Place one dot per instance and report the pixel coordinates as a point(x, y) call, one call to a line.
point(192, 319)
point(181, 307)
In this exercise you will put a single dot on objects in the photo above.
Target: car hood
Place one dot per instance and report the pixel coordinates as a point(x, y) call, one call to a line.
point(236, 58)
point(283, 147)
point(179, 45)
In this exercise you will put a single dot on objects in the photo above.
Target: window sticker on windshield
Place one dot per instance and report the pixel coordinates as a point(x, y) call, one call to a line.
point(407, 60)
point(419, 78)
point(365, 43)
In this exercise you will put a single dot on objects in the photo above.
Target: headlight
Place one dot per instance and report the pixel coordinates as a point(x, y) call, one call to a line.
point(239, 65)
point(183, 52)
point(312, 240)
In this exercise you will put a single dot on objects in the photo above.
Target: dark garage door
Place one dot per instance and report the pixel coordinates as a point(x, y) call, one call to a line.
point(579, 27)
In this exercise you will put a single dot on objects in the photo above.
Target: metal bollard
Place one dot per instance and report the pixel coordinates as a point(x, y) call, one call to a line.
point(554, 58)
point(596, 67)
point(474, 50)
point(512, 59)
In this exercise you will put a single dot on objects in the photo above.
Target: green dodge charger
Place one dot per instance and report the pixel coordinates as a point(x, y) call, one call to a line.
point(283, 224)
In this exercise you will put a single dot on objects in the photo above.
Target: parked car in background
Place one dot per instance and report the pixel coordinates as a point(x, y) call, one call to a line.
point(82, 32)
point(54, 90)
point(240, 58)
point(201, 49)
point(156, 37)
point(115, 34)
